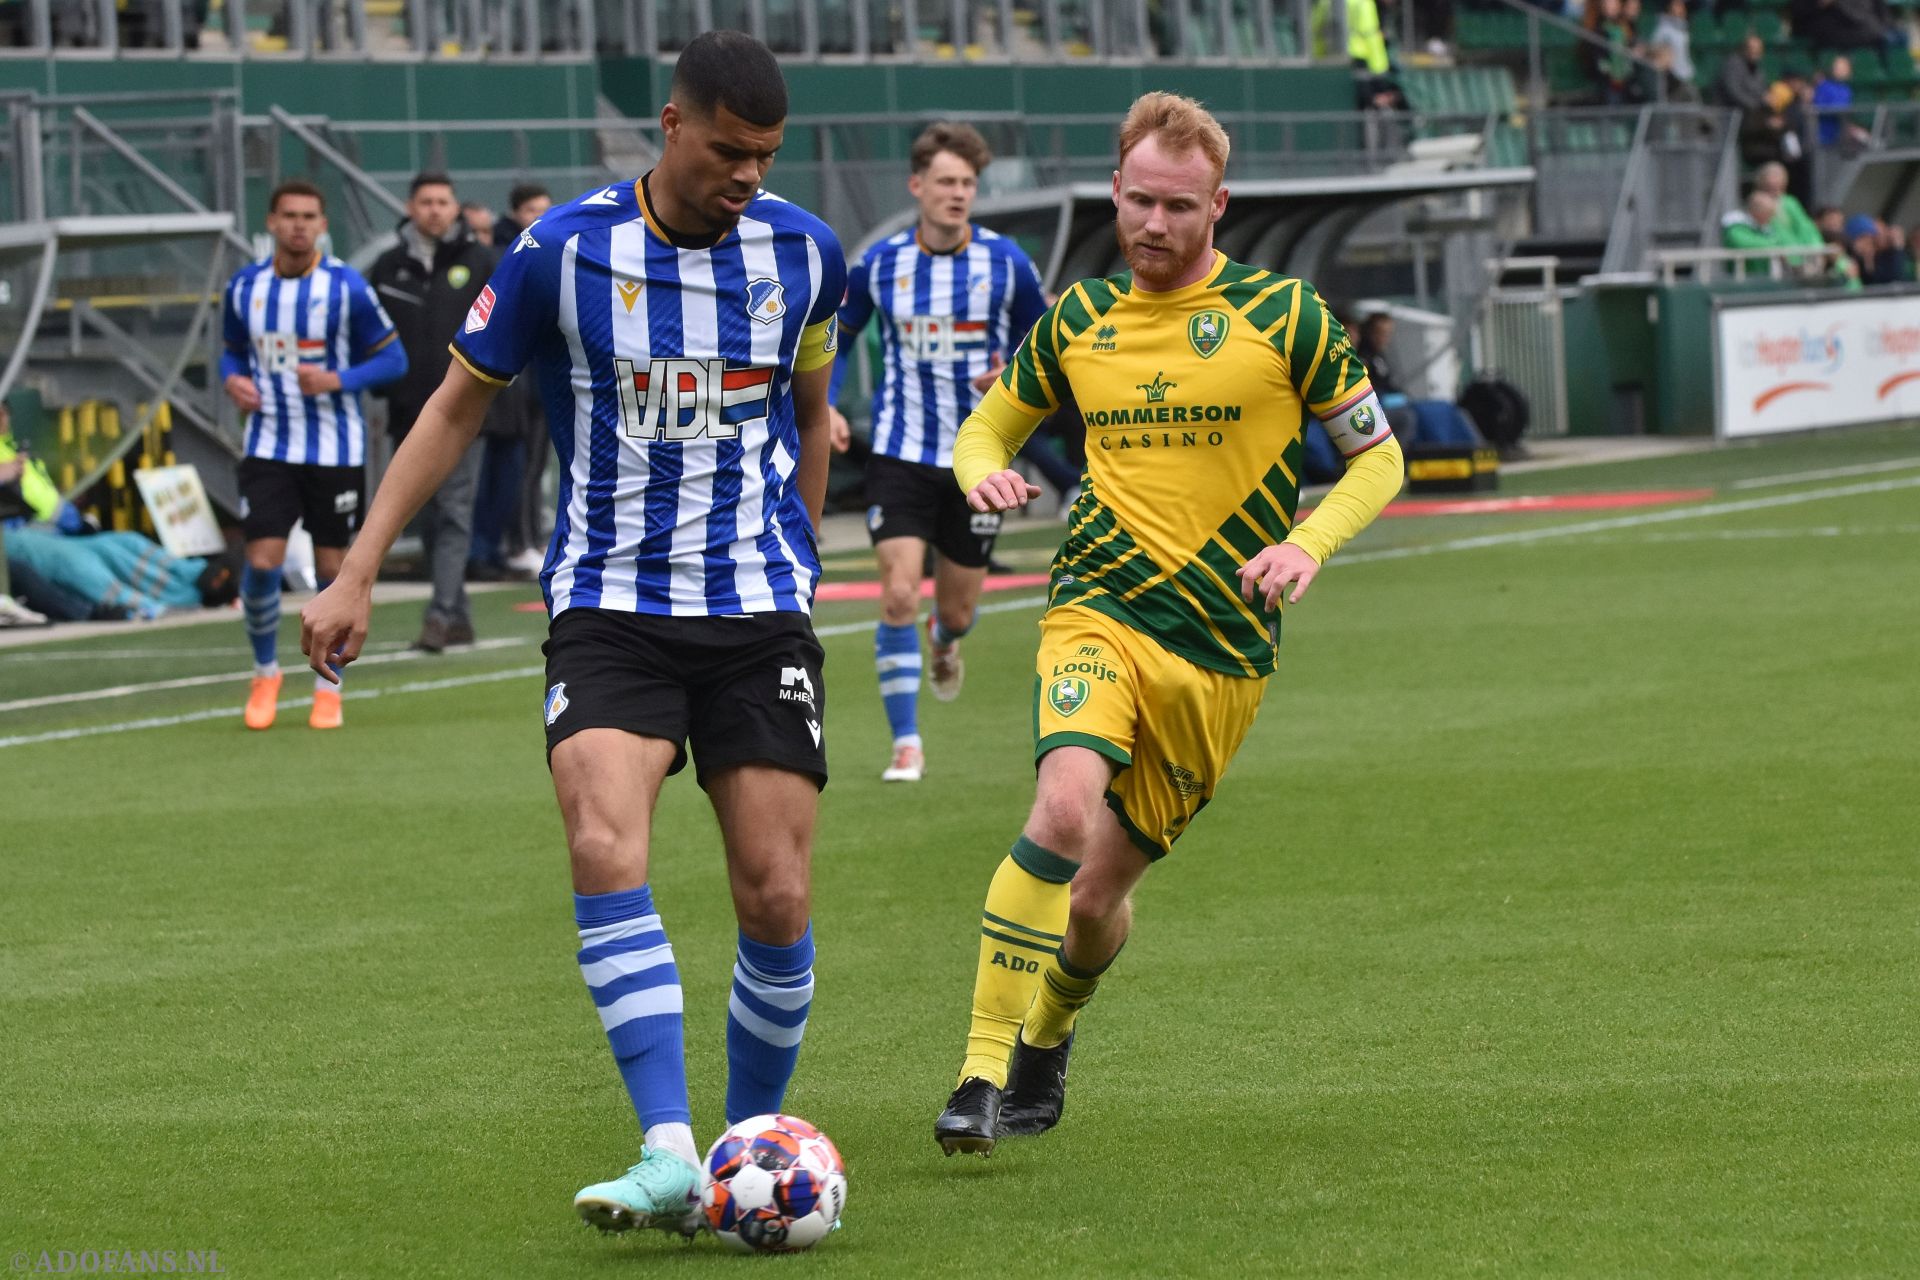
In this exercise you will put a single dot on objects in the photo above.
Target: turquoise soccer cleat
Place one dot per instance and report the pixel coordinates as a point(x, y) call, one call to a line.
point(662, 1191)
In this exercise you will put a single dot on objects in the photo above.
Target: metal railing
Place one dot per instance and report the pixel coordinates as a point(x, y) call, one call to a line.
point(1035, 31)
point(1680, 177)
point(1782, 262)
point(1521, 338)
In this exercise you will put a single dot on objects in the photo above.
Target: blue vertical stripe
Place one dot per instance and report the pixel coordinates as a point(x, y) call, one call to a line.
point(929, 379)
point(339, 333)
point(309, 406)
point(999, 315)
point(257, 419)
point(736, 347)
point(666, 459)
point(595, 320)
point(931, 428)
point(896, 353)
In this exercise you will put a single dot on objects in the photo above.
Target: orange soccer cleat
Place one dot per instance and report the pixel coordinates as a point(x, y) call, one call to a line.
point(326, 709)
point(263, 700)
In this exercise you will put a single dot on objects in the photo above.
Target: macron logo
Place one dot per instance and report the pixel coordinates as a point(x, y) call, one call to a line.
point(610, 196)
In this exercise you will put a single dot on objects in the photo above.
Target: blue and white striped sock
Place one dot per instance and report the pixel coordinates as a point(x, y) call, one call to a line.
point(260, 602)
point(896, 654)
point(766, 1019)
point(628, 965)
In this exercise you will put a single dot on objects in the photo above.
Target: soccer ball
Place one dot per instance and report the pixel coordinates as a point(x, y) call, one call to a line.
point(775, 1184)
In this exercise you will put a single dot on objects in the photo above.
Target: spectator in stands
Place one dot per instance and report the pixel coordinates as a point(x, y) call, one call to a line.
point(1374, 87)
point(1902, 248)
point(479, 220)
point(1673, 40)
point(1742, 85)
point(1796, 226)
point(1611, 64)
point(1881, 257)
point(428, 282)
point(1375, 337)
point(1831, 98)
point(523, 539)
point(525, 204)
point(1831, 220)
point(1757, 226)
point(1844, 24)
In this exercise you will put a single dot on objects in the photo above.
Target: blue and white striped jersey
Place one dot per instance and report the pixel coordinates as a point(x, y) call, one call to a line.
point(327, 317)
point(946, 318)
point(668, 381)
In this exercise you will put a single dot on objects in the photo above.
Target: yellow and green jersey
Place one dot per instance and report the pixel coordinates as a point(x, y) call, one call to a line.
point(1195, 401)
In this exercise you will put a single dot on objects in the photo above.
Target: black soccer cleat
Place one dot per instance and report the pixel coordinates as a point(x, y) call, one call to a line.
point(970, 1122)
point(1036, 1088)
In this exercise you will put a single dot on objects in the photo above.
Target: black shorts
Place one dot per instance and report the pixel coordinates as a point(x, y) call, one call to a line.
point(275, 494)
point(745, 690)
point(913, 500)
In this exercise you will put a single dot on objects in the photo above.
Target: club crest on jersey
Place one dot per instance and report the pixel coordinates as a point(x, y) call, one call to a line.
point(481, 311)
point(1207, 331)
point(766, 300)
point(556, 702)
point(1067, 695)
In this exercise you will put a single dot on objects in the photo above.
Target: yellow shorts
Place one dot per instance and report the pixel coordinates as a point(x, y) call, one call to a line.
point(1172, 726)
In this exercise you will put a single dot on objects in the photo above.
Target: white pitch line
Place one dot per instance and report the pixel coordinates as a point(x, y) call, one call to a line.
point(1827, 473)
point(90, 655)
point(1773, 535)
point(1522, 536)
point(414, 686)
point(1516, 538)
point(195, 682)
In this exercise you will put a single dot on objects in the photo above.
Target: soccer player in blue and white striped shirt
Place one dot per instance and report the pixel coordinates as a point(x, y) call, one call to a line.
point(683, 327)
point(952, 300)
point(304, 337)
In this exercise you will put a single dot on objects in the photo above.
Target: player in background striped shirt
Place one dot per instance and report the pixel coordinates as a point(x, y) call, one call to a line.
point(953, 300)
point(683, 328)
point(304, 337)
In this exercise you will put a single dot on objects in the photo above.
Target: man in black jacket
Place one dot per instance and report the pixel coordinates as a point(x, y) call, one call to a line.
point(428, 282)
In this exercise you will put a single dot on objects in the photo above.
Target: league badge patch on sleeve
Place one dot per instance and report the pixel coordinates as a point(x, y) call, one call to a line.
point(481, 311)
point(766, 300)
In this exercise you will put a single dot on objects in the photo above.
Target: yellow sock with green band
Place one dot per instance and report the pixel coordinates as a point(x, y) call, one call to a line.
point(1022, 926)
point(1063, 990)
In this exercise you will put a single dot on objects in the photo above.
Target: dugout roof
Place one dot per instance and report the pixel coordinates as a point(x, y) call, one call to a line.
point(1291, 225)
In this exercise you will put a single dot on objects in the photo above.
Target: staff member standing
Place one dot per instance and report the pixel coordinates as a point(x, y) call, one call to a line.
point(428, 282)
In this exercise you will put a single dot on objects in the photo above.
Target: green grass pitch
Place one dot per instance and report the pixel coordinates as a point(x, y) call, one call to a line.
point(1558, 919)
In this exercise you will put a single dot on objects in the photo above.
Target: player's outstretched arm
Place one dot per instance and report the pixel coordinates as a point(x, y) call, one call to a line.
point(988, 439)
point(333, 626)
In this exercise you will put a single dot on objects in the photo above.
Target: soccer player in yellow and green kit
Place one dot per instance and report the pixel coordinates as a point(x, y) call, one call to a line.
point(1196, 376)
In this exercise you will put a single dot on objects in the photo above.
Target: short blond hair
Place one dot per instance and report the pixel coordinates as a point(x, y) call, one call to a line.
point(1180, 123)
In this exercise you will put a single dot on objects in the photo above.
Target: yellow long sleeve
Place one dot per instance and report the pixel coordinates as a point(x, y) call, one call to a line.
point(1372, 481)
point(991, 435)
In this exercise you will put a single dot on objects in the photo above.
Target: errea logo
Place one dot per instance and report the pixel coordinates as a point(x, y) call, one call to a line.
point(1105, 338)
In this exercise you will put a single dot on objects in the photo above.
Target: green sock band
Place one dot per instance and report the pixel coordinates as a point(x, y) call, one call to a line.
point(1042, 863)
